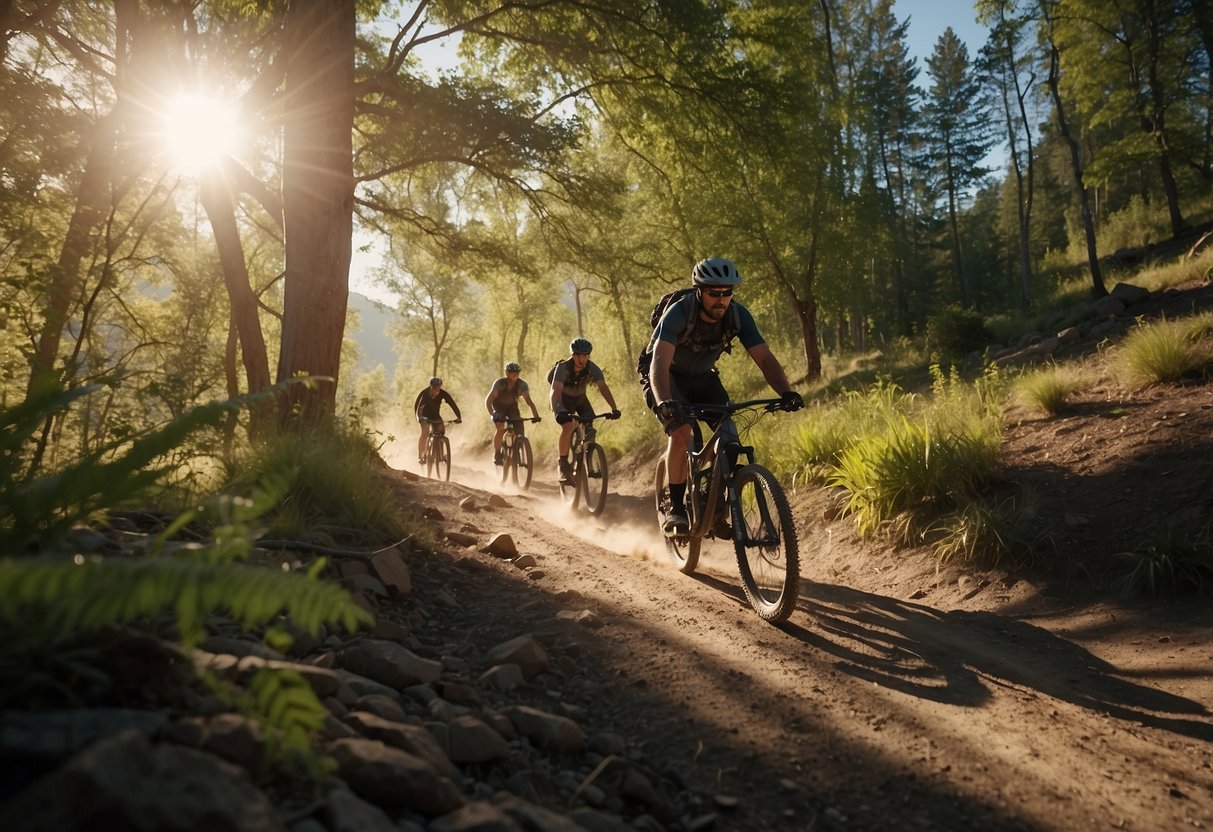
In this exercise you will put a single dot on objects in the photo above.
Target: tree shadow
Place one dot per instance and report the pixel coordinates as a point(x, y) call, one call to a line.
point(953, 657)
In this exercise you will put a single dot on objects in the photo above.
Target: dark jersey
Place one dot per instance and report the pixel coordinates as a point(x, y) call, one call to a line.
point(699, 352)
point(575, 384)
point(429, 407)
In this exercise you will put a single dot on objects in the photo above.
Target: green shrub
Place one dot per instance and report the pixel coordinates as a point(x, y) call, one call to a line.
point(957, 331)
point(1174, 560)
point(1049, 389)
point(992, 532)
point(335, 486)
point(1164, 351)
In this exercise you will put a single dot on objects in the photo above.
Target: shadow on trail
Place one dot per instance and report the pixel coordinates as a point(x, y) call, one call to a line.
point(950, 657)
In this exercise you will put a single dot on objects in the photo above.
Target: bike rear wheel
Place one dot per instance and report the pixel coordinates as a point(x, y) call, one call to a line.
point(594, 479)
point(683, 549)
point(522, 463)
point(767, 554)
point(442, 469)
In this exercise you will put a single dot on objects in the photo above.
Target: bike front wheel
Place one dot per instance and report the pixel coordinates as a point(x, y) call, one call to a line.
point(522, 463)
point(509, 462)
point(442, 469)
point(683, 549)
point(594, 479)
point(767, 554)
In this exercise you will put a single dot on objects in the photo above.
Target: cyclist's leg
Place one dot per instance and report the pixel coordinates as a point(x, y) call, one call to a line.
point(586, 411)
point(499, 432)
point(425, 436)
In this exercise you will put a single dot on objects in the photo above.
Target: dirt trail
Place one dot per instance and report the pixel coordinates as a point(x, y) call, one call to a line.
point(894, 697)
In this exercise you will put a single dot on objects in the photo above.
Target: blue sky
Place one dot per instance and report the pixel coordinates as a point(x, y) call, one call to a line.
point(929, 18)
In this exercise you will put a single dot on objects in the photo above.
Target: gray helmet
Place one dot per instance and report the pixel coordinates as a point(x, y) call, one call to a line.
point(513, 367)
point(435, 382)
point(715, 271)
point(580, 345)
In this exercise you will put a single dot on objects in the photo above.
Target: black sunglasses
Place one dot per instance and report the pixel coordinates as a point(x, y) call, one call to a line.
point(718, 293)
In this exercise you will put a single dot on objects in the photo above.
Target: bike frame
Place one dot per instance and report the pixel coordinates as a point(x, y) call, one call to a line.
point(579, 489)
point(721, 458)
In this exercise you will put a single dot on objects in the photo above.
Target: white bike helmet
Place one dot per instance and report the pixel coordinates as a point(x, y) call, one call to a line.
point(715, 271)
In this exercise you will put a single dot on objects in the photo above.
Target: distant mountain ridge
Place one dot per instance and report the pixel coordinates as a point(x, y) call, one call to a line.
point(375, 346)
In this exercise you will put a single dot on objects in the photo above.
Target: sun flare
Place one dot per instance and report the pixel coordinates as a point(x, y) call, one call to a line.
point(199, 130)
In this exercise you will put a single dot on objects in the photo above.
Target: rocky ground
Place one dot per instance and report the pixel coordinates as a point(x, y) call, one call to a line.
point(541, 672)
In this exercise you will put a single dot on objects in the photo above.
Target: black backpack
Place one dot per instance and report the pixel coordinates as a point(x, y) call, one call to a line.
point(574, 376)
point(732, 326)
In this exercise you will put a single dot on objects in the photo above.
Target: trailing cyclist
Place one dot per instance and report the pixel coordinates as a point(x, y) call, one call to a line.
point(502, 404)
point(693, 331)
point(570, 380)
point(428, 406)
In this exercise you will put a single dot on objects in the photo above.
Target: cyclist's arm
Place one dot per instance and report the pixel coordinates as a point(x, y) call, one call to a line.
point(451, 401)
point(534, 410)
point(417, 405)
point(489, 399)
point(557, 395)
point(659, 370)
point(606, 394)
point(771, 369)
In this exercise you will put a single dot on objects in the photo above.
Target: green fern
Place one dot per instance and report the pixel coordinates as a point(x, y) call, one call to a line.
point(35, 510)
point(286, 707)
point(86, 593)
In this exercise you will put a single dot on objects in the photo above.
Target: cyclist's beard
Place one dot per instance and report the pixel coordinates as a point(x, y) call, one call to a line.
point(715, 311)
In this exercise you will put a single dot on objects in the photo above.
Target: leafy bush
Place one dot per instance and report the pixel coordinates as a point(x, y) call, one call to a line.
point(957, 331)
point(52, 592)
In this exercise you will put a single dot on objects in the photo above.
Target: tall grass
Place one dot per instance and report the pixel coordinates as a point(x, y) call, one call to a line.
point(1048, 389)
point(335, 486)
point(1164, 351)
point(907, 460)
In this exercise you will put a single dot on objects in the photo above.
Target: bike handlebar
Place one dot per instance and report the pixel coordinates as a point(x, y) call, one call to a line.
point(586, 420)
point(770, 405)
point(440, 420)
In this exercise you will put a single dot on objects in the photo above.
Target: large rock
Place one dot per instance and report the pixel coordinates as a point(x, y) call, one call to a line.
point(523, 651)
point(389, 663)
point(126, 782)
point(411, 738)
point(548, 731)
point(388, 775)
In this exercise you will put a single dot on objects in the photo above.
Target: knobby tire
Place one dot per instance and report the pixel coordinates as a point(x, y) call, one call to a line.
point(444, 459)
point(522, 463)
point(683, 550)
point(765, 541)
point(594, 479)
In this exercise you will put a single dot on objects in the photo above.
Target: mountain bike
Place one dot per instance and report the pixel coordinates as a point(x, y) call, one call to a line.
point(437, 457)
point(588, 488)
point(516, 455)
point(722, 476)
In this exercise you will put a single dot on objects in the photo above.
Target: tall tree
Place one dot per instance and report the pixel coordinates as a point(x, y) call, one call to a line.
point(1061, 114)
point(318, 198)
point(1008, 63)
point(1132, 66)
point(958, 135)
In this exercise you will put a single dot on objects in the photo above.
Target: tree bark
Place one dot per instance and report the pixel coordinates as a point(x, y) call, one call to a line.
point(1063, 125)
point(318, 204)
point(217, 202)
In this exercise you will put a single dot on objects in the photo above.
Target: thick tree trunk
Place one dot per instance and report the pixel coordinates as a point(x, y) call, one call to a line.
point(806, 317)
point(318, 204)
